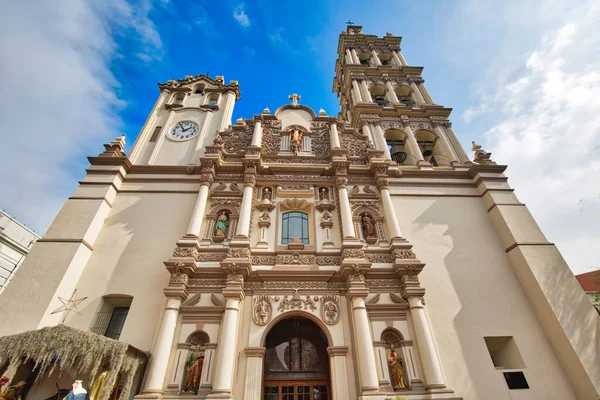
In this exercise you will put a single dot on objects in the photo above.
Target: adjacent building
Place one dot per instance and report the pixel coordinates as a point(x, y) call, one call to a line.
point(299, 255)
point(15, 241)
point(590, 283)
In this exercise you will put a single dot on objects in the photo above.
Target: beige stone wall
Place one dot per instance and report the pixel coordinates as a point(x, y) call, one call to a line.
point(139, 233)
point(472, 292)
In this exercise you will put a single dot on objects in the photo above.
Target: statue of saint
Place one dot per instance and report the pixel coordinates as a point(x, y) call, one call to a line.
point(323, 194)
point(396, 373)
point(194, 370)
point(295, 135)
point(368, 227)
point(13, 392)
point(78, 392)
point(222, 224)
point(266, 194)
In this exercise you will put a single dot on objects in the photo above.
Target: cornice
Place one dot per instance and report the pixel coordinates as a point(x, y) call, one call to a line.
point(175, 85)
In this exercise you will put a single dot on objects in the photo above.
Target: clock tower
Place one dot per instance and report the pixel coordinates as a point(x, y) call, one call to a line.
point(184, 119)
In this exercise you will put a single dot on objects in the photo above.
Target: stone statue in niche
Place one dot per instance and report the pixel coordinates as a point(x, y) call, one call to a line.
point(222, 225)
point(193, 367)
point(323, 194)
point(396, 372)
point(295, 139)
point(368, 227)
point(266, 194)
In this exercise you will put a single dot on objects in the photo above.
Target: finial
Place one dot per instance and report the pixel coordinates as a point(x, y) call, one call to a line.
point(475, 146)
point(322, 112)
point(349, 23)
point(294, 98)
point(266, 111)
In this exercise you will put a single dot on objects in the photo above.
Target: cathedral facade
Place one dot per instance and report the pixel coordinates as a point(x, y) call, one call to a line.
point(297, 255)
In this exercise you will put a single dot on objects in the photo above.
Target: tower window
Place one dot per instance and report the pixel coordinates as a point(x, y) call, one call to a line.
point(213, 99)
point(294, 225)
point(178, 98)
point(199, 89)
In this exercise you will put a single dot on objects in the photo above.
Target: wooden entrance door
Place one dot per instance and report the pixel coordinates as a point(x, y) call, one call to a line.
point(299, 389)
point(296, 363)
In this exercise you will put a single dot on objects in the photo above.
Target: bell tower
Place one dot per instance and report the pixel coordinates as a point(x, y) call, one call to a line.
point(384, 96)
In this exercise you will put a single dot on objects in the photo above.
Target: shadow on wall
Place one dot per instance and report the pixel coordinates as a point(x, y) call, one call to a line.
point(471, 285)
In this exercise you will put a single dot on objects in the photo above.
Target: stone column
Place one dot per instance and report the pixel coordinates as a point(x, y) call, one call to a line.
point(401, 57)
point(339, 372)
point(333, 135)
point(412, 144)
point(228, 338)
point(425, 93)
point(155, 374)
point(243, 227)
point(376, 58)
point(257, 137)
point(368, 132)
point(449, 152)
point(209, 355)
point(355, 56)
point(367, 367)
point(397, 59)
point(228, 103)
point(432, 367)
point(349, 58)
point(462, 156)
point(357, 92)
point(347, 224)
point(254, 371)
point(388, 209)
point(420, 100)
point(391, 92)
point(383, 143)
point(199, 207)
point(365, 91)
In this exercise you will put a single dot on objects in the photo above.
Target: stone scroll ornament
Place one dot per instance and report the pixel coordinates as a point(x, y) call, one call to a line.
point(330, 309)
point(262, 310)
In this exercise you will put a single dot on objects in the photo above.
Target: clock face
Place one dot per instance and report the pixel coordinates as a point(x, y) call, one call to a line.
point(184, 130)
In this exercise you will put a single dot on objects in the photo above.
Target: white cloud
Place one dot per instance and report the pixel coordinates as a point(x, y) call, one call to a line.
point(240, 15)
point(57, 98)
point(277, 36)
point(546, 127)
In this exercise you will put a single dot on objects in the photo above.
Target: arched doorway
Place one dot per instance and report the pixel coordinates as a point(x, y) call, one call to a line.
point(296, 365)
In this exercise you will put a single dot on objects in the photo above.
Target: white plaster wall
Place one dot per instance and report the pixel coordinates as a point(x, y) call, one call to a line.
point(138, 235)
point(179, 152)
point(295, 117)
point(473, 292)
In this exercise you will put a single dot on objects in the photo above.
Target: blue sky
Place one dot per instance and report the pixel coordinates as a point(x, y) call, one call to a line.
point(521, 76)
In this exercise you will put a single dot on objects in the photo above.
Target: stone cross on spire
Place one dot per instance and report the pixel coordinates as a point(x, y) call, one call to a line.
point(294, 98)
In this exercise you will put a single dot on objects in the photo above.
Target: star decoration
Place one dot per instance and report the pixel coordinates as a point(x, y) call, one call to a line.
point(69, 305)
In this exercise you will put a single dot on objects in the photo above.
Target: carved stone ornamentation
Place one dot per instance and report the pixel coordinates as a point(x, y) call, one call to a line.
point(330, 309)
point(364, 203)
point(353, 253)
point(249, 180)
point(236, 142)
point(264, 220)
point(354, 146)
point(404, 254)
point(295, 186)
point(238, 253)
point(328, 260)
point(380, 258)
point(264, 260)
point(271, 141)
point(295, 258)
point(262, 310)
point(320, 139)
point(186, 252)
point(382, 184)
point(215, 202)
point(356, 275)
point(178, 277)
point(216, 283)
point(206, 179)
point(296, 303)
point(208, 257)
point(341, 169)
point(341, 183)
point(286, 285)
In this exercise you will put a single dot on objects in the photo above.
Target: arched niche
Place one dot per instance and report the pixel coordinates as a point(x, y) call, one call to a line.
point(287, 139)
point(197, 338)
point(359, 216)
point(215, 213)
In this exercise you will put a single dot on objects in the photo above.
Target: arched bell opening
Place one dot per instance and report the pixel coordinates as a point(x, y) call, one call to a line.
point(296, 363)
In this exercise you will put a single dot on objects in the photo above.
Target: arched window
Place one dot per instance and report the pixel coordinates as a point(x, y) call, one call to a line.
point(295, 225)
point(178, 98)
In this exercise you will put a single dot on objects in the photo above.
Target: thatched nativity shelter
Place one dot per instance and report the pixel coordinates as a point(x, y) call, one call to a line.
point(62, 350)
